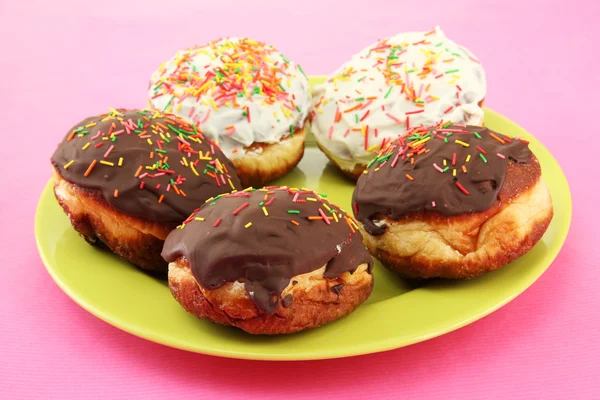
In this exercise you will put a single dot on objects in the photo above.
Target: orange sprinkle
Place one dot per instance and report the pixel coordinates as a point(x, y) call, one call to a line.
point(295, 222)
point(176, 189)
point(151, 154)
point(359, 105)
point(410, 177)
point(464, 169)
point(266, 197)
point(116, 192)
point(87, 172)
point(412, 161)
point(497, 138)
point(71, 136)
point(160, 199)
point(139, 171)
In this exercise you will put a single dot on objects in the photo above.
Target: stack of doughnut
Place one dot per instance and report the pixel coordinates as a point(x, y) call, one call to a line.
point(180, 188)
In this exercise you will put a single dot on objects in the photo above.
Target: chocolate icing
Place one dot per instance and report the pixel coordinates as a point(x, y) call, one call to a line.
point(166, 188)
point(387, 190)
point(268, 253)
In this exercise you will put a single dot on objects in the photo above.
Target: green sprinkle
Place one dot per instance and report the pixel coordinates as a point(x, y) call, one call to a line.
point(371, 162)
point(244, 112)
point(456, 54)
point(439, 44)
point(114, 139)
point(281, 87)
point(84, 132)
point(205, 171)
point(445, 140)
point(298, 108)
point(300, 68)
point(448, 134)
point(323, 194)
point(262, 203)
point(356, 118)
point(211, 167)
point(79, 129)
point(213, 203)
point(159, 85)
point(240, 94)
point(477, 135)
point(388, 93)
point(169, 103)
point(362, 78)
point(292, 130)
point(332, 211)
point(293, 211)
point(483, 157)
point(359, 98)
point(445, 169)
point(172, 181)
point(410, 70)
point(451, 71)
point(160, 151)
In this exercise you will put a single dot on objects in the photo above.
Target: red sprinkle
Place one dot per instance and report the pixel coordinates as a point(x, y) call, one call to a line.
point(462, 189)
point(217, 222)
point(480, 149)
point(240, 208)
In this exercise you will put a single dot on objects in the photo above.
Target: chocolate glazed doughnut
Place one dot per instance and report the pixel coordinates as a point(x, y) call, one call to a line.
point(128, 177)
point(274, 260)
point(452, 201)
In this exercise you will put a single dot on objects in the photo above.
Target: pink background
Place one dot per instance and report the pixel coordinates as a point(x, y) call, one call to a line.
point(61, 61)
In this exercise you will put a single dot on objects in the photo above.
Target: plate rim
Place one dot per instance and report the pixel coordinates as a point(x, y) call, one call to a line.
point(384, 345)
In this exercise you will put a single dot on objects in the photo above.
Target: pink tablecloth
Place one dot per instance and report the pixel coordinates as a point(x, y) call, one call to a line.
point(62, 60)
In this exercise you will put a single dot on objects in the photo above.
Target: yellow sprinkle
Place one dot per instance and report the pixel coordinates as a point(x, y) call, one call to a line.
point(194, 169)
point(365, 172)
point(213, 104)
point(265, 211)
point(468, 158)
point(454, 172)
point(85, 146)
point(111, 164)
point(184, 161)
point(362, 129)
point(434, 97)
point(230, 183)
point(209, 200)
point(67, 165)
point(461, 143)
point(248, 225)
point(372, 147)
point(120, 161)
point(444, 162)
point(149, 141)
point(104, 138)
point(311, 199)
point(420, 142)
point(90, 125)
point(199, 219)
point(376, 169)
point(327, 207)
point(335, 217)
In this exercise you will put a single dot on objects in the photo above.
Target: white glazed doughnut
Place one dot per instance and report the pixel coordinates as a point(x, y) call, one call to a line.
point(391, 86)
point(238, 91)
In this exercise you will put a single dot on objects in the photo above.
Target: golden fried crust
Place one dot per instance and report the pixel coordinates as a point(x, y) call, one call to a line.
point(136, 240)
point(265, 162)
point(314, 302)
point(431, 245)
point(355, 172)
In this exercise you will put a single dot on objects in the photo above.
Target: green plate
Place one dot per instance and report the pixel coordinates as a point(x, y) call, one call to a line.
point(397, 313)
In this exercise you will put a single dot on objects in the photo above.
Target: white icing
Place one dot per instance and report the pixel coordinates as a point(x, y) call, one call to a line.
point(223, 119)
point(363, 77)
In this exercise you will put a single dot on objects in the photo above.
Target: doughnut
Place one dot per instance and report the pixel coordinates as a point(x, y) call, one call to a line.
point(275, 260)
point(452, 201)
point(129, 177)
point(244, 95)
point(404, 81)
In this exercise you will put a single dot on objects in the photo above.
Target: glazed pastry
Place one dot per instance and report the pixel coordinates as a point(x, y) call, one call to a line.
point(398, 83)
point(127, 178)
point(244, 95)
point(452, 202)
point(269, 261)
